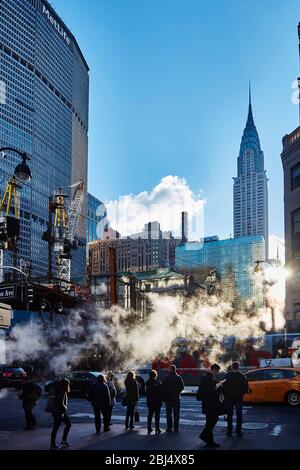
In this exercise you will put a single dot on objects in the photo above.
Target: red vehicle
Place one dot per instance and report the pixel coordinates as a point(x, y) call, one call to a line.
point(192, 354)
point(12, 377)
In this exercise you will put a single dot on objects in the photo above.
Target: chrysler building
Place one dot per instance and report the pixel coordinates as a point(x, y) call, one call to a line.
point(250, 190)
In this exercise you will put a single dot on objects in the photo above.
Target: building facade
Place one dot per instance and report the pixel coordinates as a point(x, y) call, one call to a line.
point(291, 167)
point(250, 190)
point(132, 255)
point(43, 111)
point(233, 260)
point(96, 218)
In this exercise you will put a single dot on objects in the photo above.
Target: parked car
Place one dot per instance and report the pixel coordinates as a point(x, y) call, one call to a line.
point(274, 384)
point(296, 358)
point(12, 377)
point(80, 382)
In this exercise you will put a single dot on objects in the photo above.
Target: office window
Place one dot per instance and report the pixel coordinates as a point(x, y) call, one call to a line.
point(296, 230)
point(295, 176)
point(296, 221)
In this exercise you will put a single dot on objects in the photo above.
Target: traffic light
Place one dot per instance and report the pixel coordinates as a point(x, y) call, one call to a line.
point(3, 233)
point(12, 227)
point(29, 293)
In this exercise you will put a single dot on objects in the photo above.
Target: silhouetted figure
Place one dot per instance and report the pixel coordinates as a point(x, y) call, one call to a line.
point(131, 398)
point(209, 395)
point(30, 394)
point(99, 396)
point(61, 390)
point(234, 387)
point(113, 393)
point(154, 400)
point(172, 388)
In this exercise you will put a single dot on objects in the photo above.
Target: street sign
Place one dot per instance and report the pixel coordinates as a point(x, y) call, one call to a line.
point(7, 292)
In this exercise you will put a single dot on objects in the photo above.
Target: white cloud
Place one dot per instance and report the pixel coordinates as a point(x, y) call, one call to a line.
point(164, 203)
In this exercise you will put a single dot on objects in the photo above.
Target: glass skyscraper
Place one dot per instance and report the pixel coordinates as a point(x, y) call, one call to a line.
point(250, 191)
point(233, 260)
point(96, 218)
point(43, 111)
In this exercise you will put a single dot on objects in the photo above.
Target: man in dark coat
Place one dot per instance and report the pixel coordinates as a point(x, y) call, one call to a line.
point(208, 394)
point(235, 386)
point(99, 396)
point(172, 388)
point(30, 394)
point(131, 398)
point(154, 400)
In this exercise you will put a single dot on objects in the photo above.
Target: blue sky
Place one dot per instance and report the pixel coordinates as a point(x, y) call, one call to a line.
point(169, 93)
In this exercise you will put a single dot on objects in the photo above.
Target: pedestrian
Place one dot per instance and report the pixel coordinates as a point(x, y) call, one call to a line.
point(172, 388)
point(30, 394)
point(131, 398)
point(59, 413)
point(154, 400)
point(209, 395)
point(113, 393)
point(99, 396)
point(234, 387)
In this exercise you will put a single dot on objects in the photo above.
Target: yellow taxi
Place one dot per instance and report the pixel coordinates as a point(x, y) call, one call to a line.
point(274, 384)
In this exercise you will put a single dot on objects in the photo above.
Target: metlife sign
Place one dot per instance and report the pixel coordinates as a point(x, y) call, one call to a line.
point(56, 24)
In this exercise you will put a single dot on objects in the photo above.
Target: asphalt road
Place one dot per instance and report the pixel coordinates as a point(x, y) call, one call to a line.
point(268, 419)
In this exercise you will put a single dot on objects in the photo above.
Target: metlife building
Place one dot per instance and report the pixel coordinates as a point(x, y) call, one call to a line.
point(44, 95)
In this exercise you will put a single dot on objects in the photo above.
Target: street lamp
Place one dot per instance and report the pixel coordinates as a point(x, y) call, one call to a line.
point(22, 170)
point(14, 269)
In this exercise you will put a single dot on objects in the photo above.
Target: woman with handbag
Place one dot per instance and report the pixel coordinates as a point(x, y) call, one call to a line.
point(212, 406)
point(113, 393)
point(59, 412)
point(131, 398)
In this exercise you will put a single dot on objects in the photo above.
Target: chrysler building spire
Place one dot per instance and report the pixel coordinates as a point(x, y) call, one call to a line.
point(250, 204)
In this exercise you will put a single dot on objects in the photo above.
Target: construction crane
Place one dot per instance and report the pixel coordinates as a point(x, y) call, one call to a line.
point(65, 224)
point(9, 220)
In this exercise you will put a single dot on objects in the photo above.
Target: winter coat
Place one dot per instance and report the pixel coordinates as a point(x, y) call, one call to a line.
point(99, 395)
point(30, 393)
point(112, 391)
point(60, 398)
point(154, 393)
point(208, 394)
point(172, 388)
point(235, 387)
point(132, 391)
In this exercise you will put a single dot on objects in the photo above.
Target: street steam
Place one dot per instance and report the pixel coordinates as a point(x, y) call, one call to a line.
point(131, 341)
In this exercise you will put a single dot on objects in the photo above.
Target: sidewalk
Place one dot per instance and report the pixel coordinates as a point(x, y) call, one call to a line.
point(82, 437)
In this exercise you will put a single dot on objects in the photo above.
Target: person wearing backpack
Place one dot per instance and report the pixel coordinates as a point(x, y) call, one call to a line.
point(235, 386)
point(209, 395)
point(30, 394)
point(113, 393)
point(59, 412)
